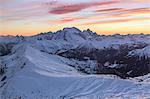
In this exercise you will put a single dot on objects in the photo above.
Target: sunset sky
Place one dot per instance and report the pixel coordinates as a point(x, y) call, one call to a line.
point(29, 17)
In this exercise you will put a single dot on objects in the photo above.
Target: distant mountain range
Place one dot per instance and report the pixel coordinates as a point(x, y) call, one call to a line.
point(27, 59)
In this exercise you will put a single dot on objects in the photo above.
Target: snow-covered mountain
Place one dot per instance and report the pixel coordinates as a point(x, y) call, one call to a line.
point(74, 64)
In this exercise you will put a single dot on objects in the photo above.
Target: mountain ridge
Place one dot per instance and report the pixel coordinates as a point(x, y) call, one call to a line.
point(76, 64)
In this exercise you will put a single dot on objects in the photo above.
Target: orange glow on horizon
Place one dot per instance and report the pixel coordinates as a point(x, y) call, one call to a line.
point(101, 16)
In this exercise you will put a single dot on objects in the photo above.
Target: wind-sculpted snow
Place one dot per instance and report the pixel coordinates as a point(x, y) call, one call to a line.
point(47, 77)
point(74, 64)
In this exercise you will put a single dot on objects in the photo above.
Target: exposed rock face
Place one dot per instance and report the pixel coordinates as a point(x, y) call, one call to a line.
point(5, 49)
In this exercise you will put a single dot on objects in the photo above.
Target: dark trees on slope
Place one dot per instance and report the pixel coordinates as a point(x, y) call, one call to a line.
point(127, 65)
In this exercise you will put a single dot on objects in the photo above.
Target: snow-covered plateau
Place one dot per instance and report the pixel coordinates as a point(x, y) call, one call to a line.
point(75, 64)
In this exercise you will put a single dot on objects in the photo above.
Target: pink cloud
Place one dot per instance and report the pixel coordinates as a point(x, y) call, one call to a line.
point(63, 9)
point(116, 21)
point(123, 11)
point(66, 20)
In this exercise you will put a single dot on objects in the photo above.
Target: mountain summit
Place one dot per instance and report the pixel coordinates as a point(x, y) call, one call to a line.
point(74, 64)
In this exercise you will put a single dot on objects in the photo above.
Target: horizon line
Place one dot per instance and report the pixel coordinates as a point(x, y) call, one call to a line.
point(105, 34)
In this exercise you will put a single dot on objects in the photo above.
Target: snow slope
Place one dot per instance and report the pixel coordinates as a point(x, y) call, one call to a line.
point(47, 77)
point(141, 52)
point(35, 71)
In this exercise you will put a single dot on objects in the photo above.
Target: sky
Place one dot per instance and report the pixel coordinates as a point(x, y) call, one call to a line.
point(30, 17)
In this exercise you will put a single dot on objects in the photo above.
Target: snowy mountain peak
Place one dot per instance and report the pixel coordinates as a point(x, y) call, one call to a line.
point(72, 30)
point(57, 65)
point(73, 34)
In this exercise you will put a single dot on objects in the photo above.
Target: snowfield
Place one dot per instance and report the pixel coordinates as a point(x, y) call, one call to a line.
point(46, 77)
point(34, 71)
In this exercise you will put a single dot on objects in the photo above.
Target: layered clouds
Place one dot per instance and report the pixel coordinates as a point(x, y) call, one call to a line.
point(27, 17)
